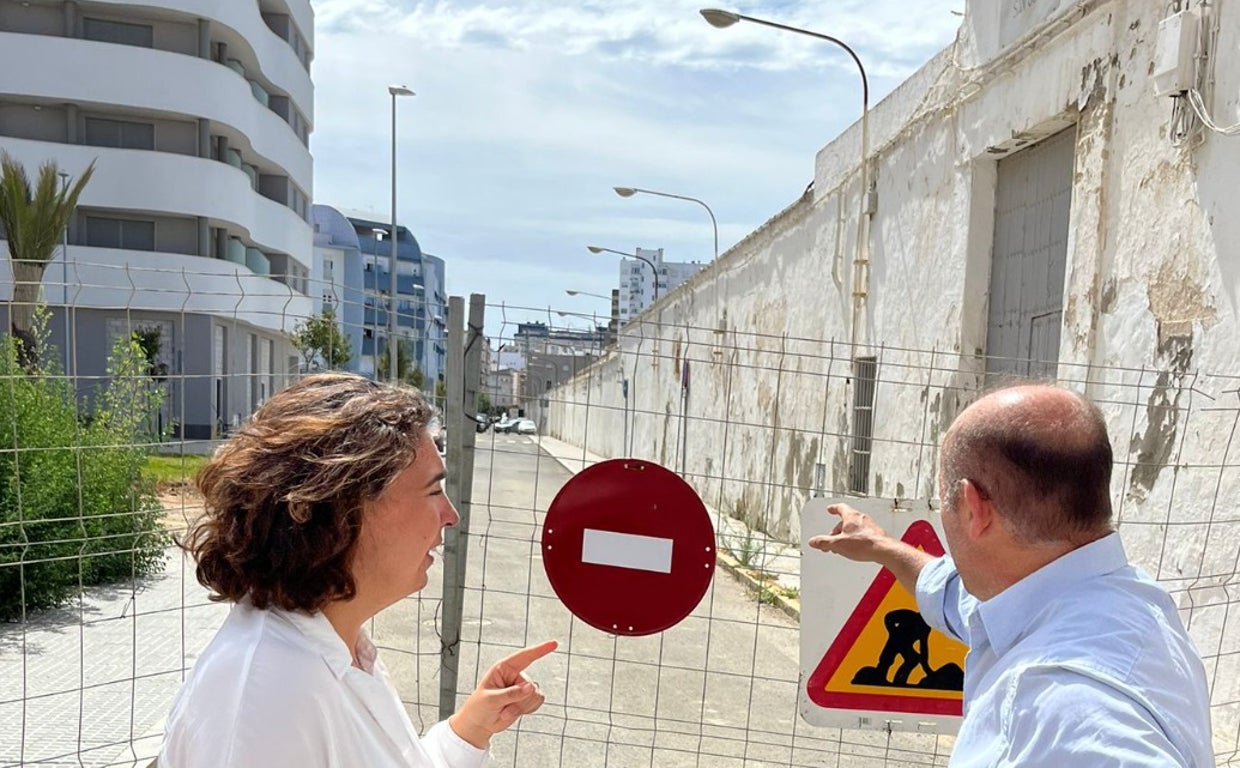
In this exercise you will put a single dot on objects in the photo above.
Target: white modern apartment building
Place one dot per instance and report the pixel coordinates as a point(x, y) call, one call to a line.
point(197, 115)
point(637, 280)
point(337, 282)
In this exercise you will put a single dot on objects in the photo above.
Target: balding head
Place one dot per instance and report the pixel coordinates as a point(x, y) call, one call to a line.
point(1042, 456)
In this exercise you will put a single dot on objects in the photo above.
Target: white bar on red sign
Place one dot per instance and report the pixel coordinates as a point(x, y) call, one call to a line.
point(626, 550)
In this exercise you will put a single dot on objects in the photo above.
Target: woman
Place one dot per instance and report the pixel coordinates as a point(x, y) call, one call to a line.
point(321, 512)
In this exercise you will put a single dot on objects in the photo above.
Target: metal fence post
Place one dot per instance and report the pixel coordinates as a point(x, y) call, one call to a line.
point(460, 408)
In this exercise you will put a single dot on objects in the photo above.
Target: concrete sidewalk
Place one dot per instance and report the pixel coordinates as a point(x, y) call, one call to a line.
point(90, 684)
point(770, 568)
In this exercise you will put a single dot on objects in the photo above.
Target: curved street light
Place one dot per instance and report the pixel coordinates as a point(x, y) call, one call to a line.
point(722, 19)
point(627, 255)
point(587, 293)
point(630, 191)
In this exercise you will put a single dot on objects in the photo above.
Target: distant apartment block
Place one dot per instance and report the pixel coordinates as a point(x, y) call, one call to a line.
point(352, 275)
point(637, 280)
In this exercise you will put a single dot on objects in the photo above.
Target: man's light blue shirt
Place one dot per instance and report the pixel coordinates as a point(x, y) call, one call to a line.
point(1082, 663)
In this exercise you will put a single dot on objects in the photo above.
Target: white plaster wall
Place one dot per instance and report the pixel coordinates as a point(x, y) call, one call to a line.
point(1145, 251)
point(1151, 311)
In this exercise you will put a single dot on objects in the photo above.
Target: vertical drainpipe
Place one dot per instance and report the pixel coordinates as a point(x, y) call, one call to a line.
point(71, 124)
point(204, 139)
point(204, 38)
point(71, 137)
point(71, 17)
point(204, 237)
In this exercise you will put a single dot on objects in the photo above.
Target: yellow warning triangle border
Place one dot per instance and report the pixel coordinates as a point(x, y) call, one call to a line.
point(920, 534)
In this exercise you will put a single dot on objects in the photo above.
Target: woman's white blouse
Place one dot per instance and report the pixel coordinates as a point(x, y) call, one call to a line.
point(278, 688)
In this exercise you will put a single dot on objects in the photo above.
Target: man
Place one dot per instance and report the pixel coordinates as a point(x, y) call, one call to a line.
point(1076, 658)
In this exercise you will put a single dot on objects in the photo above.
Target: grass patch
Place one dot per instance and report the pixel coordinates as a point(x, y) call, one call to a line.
point(771, 592)
point(172, 471)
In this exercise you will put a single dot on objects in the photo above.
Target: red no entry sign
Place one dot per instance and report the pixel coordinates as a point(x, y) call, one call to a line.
point(628, 547)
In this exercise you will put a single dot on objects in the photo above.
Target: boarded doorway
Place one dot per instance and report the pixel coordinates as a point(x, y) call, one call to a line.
point(1033, 201)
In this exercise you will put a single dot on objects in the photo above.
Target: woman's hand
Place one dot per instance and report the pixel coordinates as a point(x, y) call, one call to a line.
point(504, 694)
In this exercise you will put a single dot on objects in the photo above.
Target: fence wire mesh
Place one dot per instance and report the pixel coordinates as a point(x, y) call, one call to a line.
point(756, 423)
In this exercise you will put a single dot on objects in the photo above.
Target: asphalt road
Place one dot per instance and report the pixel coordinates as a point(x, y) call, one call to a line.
point(719, 689)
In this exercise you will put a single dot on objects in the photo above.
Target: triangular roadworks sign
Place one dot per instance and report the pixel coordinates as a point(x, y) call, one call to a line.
point(885, 658)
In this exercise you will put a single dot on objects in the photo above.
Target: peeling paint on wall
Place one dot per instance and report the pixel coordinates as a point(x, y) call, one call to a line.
point(1152, 448)
point(1177, 303)
point(839, 459)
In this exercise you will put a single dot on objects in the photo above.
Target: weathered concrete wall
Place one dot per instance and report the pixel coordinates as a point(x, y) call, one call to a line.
point(1150, 329)
point(1152, 277)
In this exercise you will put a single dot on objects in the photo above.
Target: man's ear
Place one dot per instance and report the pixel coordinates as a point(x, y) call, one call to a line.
point(979, 511)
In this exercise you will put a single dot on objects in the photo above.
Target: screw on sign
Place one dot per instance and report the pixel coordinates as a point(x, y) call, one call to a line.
point(628, 547)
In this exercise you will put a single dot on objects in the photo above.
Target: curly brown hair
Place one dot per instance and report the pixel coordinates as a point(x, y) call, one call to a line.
point(283, 498)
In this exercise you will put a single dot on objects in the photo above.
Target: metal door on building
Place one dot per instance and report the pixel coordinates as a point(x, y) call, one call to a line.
point(1033, 201)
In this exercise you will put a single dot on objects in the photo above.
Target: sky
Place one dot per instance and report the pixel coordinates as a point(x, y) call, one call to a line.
point(528, 112)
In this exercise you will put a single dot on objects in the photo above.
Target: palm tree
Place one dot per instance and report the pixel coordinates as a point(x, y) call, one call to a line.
point(33, 222)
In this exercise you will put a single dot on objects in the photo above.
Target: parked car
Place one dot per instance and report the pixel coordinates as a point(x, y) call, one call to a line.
point(481, 422)
point(505, 426)
point(525, 427)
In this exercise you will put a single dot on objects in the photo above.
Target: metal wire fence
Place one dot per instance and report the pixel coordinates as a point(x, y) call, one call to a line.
point(757, 424)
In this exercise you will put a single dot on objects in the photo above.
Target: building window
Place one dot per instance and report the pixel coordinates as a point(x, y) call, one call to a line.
point(865, 384)
point(120, 233)
point(118, 32)
point(119, 133)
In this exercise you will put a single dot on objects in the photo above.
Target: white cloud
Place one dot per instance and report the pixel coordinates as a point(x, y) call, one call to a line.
point(529, 112)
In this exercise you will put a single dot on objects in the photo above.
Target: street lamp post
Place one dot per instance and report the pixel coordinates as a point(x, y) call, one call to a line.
point(613, 303)
point(630, 191)
point(627, 255)
point(721, 19)
point(587, 293)
point(64, 283)
point(714, 224)
point(393, 347)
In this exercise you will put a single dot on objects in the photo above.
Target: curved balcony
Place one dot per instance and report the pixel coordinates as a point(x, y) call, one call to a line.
point(86, 72)
point(179, 185)
point(276, 60)
point(303, 14)
point(110, 278)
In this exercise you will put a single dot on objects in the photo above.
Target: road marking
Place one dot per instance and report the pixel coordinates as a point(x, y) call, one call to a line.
point(626, 550)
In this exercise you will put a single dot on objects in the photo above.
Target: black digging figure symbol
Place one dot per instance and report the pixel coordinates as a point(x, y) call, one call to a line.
point(908, 636)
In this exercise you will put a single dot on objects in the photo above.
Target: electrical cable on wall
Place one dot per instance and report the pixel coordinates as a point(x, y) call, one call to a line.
point(1207, 38)
point(1198, 104)
point(1183, 70)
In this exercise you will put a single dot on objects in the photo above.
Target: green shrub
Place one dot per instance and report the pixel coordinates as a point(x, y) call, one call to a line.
point(75, 506)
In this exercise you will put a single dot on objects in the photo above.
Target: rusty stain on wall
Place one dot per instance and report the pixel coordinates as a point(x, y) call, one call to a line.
point(1109, 294)
point(1152, 448)
point(839, 457)
point(667, 423)
point(944, 409)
